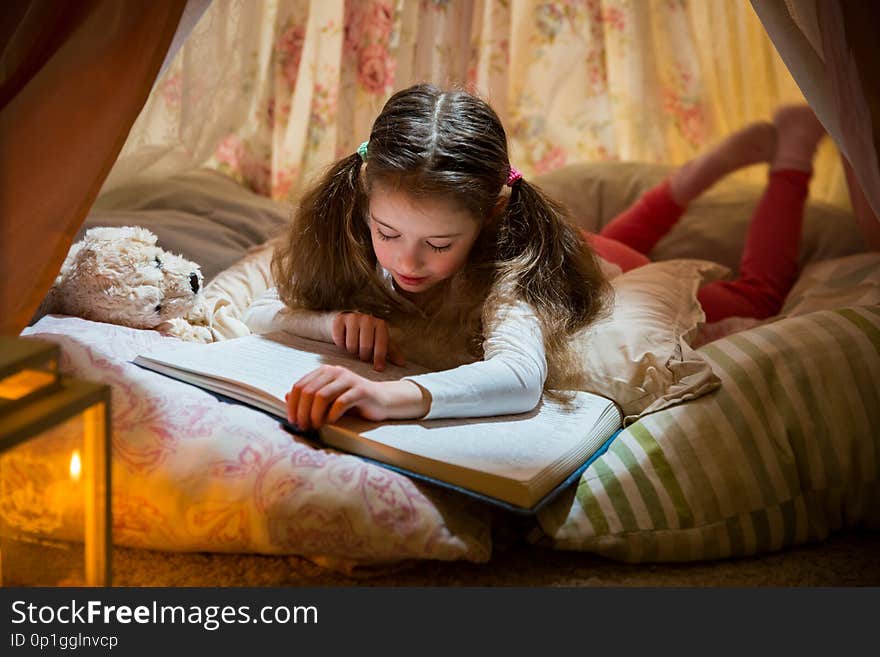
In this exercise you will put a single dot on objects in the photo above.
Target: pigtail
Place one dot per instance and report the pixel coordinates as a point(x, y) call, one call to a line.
point(550, 259)
point(327, 260)
point(544, 260)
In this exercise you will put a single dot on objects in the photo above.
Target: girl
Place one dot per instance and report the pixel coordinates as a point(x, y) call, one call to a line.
point(408, 246)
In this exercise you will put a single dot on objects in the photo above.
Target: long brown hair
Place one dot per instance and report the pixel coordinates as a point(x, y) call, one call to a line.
point(433, 143)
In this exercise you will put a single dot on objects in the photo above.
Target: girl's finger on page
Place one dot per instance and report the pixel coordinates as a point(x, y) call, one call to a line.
point(292, 403)
point(337, 330)
point(342, 403)
point(306, 388)
point(365, 341)
point(324, 400)
point(380, 346)
point(304, 410)
point(352, 331)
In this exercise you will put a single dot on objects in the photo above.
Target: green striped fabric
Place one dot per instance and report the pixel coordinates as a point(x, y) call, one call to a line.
point(785, 452)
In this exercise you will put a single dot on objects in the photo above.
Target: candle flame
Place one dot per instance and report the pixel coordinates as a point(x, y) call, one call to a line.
point(75, 465)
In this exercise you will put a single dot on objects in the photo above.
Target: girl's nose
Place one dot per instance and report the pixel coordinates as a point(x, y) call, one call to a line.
point(408, 261)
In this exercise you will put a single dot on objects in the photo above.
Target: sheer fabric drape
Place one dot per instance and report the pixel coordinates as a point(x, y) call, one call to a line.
point(832, 49)
point(272, 92)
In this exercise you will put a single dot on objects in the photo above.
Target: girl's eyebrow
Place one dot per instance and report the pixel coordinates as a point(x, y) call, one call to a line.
point(430, 237)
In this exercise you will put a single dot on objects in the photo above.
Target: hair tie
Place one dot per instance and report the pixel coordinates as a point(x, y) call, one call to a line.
point(513, 176)
point(362, 150)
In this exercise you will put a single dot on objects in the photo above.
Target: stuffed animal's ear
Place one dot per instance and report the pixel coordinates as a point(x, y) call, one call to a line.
point(121, 233)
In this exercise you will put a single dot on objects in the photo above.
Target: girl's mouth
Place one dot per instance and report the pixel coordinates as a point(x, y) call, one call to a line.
point(411, 281)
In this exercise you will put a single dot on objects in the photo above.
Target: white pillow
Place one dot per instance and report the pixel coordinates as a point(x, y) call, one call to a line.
point(640, 355)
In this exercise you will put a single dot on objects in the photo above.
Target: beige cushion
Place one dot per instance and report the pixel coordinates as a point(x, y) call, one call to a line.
point(850, 281)
point(202, 215)
point(714, 226)
point(639, 355)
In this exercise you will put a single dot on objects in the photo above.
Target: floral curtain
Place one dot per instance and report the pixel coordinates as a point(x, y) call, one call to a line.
point(272, 91)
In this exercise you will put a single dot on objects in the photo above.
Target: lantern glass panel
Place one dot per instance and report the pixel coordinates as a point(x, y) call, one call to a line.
point(54, 495)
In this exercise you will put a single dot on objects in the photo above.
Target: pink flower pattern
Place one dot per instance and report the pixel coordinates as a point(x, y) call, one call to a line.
point(172, 90)
point(685, 108)
point(549, 18)
point(289, 52)
point(236, 159)
point(368, 28)
point(375, 69)
point(553, 159)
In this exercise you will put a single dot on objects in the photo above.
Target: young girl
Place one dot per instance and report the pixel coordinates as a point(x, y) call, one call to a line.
point(409, 246)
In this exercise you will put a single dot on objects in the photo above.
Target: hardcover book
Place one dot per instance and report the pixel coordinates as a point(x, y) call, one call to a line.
point(518, 462)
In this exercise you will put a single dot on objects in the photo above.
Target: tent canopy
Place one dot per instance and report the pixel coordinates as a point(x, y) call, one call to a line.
point(74, 77)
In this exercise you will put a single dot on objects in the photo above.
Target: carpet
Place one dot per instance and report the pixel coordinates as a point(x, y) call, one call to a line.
point(847, 559)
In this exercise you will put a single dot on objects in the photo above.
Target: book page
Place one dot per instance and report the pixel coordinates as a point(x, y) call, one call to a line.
point(266, 363)
point(523, 448)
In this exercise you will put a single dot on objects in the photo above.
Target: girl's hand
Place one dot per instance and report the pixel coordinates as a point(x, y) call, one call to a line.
point(366, 337)
point(325, 394)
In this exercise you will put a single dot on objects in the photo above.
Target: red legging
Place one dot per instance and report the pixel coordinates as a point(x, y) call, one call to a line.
point(768, 267)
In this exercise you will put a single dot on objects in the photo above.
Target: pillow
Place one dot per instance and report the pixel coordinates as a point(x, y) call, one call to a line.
point(784, 453)
point(850, 281)
point(193, 473)
point(712, 228)
point(203, 215)
point(639, 354)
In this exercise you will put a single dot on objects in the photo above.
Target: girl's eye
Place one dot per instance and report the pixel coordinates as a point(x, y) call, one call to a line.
point(383, 236)
point(440, 249)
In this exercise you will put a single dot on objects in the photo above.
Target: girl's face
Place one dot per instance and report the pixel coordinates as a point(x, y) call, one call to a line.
point(419, 241)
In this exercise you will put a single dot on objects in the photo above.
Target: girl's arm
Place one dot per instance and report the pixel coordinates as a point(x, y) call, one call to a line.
point(363, 336)
point(268, 313)
point(509, 379)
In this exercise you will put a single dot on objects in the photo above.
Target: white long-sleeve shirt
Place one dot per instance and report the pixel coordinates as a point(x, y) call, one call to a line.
point(509, 379)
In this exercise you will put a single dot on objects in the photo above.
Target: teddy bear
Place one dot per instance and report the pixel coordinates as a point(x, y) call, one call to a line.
point(120, 276)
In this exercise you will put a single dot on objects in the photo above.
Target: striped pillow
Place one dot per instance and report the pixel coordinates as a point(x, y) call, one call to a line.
point(784, 453)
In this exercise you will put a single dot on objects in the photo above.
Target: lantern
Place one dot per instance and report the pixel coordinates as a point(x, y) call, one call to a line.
point(55, 527)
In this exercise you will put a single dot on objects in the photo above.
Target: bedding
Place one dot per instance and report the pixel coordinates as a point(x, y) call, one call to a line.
point(639, 355)
point(783, 453)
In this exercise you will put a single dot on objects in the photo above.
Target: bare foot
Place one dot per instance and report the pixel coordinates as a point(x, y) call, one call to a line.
point(799, 133)
point(752, 144)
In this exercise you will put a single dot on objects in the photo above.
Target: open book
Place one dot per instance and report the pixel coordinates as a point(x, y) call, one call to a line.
point(516, 461)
